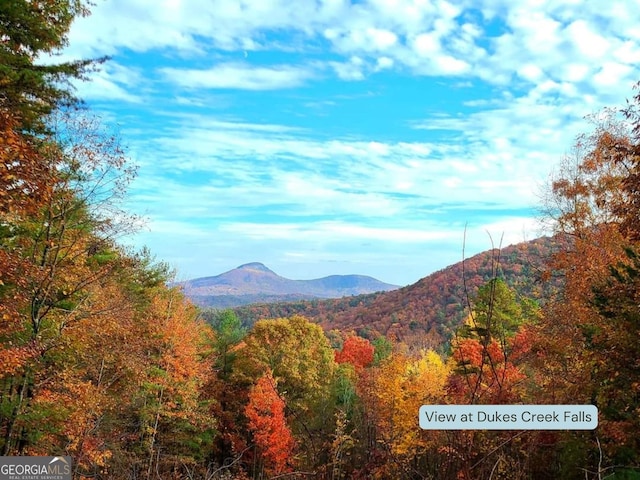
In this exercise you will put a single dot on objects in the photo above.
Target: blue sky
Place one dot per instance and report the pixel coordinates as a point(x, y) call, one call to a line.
point(331, 137)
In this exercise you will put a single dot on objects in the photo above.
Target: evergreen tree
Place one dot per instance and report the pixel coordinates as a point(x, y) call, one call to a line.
point(31, 30)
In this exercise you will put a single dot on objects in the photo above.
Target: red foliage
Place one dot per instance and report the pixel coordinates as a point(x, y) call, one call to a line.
point(267, 422)
point(426, 313)
point(357, 351)
point(490, 374)
point(468, 352)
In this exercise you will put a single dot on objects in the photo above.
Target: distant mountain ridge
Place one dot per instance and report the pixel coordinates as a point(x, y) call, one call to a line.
point(254, 282)
point(427, 312)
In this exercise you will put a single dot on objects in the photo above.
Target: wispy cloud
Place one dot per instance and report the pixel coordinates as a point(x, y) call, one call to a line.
point(355, 133)
point(113, 82)
point(332, 231)
point(239, 76)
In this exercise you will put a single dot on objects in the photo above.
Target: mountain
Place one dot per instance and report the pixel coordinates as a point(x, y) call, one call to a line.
point(254, 282)
point(427, 312)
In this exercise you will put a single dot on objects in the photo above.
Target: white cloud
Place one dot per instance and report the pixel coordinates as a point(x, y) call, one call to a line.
point(505, 232)
point(352, 70)
point(426, 44)
point(252, 168)
point(430, 38)
point(333, 231)
point(531, 72)
point(448, 65)
point(113, 82)
point(534, 75)
point(613, 73)
point(381, 38)
point(384, 63)
point(628, 52)
point(239, 76)
point(589, 43)
point(576, 72)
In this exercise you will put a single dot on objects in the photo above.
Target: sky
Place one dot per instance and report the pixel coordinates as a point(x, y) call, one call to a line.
point(326, 137)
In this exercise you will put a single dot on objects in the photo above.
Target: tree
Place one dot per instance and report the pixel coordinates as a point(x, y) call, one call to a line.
point(298, 354)
point(267, 423)
point(593, 205)
point(626, 153)
point(397, 390)
point(173, 420)
point(26, 183)
point(30, 30)
point(229, 333)
point(229, 396)
point(489, 345)
point(496, 312)
point(25, 176)
point(382, 349)
point(57, 251)
point(616, 366)
point(490, 373)
point(357, 351)
point(583, 206)
point(98, 358)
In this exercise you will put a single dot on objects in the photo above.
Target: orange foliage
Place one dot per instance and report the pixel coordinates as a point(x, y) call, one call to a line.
point(25, 177)
point(25, 186)
point(425, 314)
point(267, 422)
point(489, 374)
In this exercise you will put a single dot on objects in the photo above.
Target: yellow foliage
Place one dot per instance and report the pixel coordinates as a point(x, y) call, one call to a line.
point(402, 385)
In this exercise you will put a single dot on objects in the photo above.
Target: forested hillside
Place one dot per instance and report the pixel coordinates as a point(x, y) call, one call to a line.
point(427, 313)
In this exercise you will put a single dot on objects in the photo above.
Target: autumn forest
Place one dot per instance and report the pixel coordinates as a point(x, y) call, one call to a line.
point(102, 361)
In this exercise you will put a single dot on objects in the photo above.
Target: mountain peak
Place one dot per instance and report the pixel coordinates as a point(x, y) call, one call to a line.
point(259, 282)
point(254, 266)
